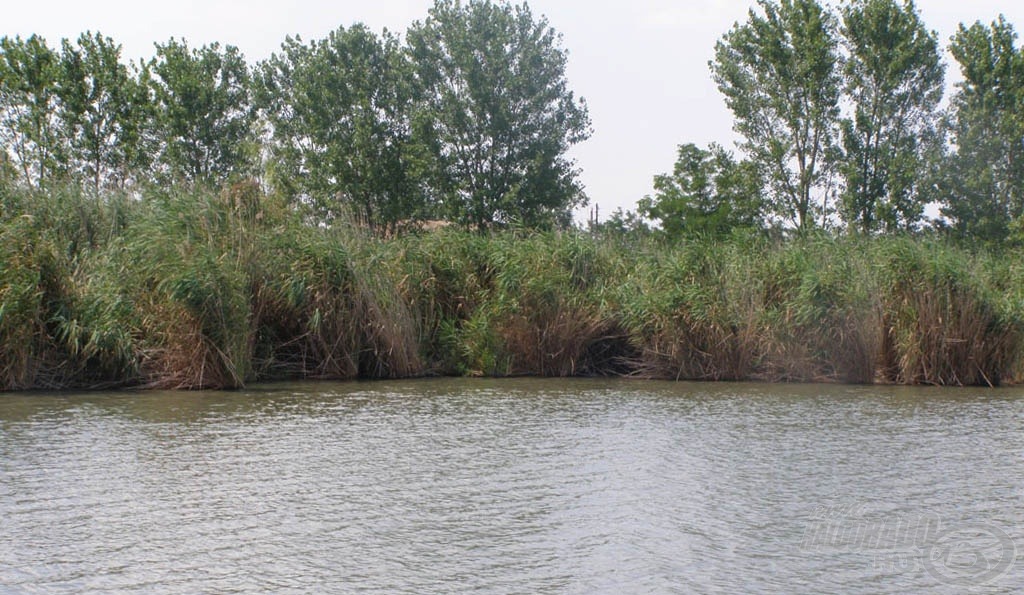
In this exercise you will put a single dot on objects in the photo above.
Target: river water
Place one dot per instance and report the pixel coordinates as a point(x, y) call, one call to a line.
point(514, 486)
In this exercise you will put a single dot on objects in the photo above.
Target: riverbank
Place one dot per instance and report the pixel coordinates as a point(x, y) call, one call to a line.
point(192, 290)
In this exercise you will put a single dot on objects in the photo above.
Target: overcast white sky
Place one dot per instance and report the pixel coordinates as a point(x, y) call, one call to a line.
point(640, 64)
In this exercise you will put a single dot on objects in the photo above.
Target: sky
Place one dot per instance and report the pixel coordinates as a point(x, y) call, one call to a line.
point(641, 65)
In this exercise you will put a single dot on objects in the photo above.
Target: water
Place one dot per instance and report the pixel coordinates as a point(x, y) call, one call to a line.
point(525, 486)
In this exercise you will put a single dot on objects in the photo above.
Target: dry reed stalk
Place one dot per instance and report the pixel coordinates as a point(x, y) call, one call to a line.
point(946, 335)
point(570, 341)
point(388, 334)
point(179, 356)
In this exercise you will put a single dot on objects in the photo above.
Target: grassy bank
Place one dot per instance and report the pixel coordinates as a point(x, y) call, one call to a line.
point(214, 290)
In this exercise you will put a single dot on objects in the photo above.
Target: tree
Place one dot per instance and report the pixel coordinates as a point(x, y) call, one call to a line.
point(779, 77)
point(29, 128)
point(501, 113)
point(707, 194)
point(204, 121)
point(893, 78)
point(102, 111)
point(621, 225)
point(984, 175)
point(340, 116)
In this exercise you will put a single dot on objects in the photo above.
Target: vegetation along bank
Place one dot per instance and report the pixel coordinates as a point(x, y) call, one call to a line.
point(194, 221)
point(214, 290)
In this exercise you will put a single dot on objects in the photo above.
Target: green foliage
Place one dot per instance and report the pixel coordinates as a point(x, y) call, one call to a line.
point(204, 118)
point(22, 308)
point(894, 78)
point(207, 282)
point(622, 225)
point(983, 179)
point(74, 114)
point(500, 115)
point(29, 128)
point(191, 289)
point(688, 315)
point(103, 113)
point(708, 194)
point(445, 276)
point(551, 305)
point(340, 112)
point(192, 294)
point(57, 306)
point(779, 77)
point(95, 326)
point(471, 120)
point(952, 318)
point(821, 312)
point(514, 303)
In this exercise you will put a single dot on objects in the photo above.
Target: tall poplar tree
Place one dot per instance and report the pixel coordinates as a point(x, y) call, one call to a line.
point(103, 112)
point(778, 73)
point(984, 175)
point(893, 78)
point(29, 109)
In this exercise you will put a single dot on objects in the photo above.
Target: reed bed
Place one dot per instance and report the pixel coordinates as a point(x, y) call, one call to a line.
point(188, 289)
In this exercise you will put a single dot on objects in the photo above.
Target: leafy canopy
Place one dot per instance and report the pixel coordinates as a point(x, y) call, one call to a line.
point(708, 194)
point(340, 115)
point(893, 78)
point(778, 74)
point(500, 113)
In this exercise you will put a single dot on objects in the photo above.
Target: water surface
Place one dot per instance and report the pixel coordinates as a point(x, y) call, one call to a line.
point(524, 486)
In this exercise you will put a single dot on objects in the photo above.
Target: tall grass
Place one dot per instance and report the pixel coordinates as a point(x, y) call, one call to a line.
point(948, 321)
point(23, 260)
point(693, 313)
point(821, 311)
point(550, 305)
point(52, 328)
point(512, 304)
point(187, 288)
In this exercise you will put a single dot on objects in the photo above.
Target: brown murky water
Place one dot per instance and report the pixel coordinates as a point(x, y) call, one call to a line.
point(514, 486)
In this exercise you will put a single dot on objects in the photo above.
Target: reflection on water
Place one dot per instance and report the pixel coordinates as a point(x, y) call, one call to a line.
point(512, 486)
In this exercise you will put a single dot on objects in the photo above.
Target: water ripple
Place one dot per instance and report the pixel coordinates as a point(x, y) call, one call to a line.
point(499, 487)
